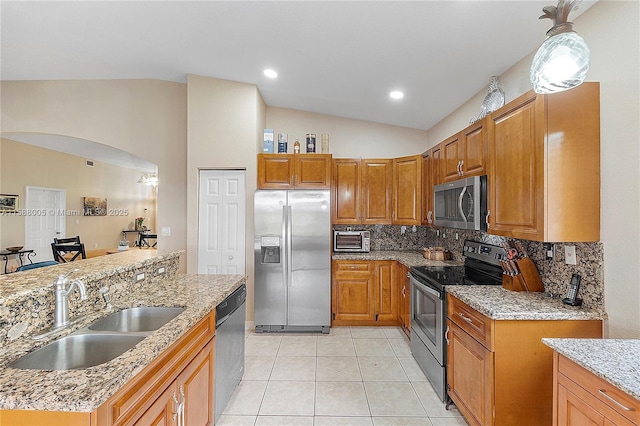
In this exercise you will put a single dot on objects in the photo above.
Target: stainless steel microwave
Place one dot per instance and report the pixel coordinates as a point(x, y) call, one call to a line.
point(461, 204)
point(352, 241)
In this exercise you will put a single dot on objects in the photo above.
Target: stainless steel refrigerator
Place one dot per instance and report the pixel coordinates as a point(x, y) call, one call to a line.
point(292, 249)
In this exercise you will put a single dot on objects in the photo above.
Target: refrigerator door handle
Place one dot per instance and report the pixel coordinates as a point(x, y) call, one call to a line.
point(284, 243)
point(289, 248)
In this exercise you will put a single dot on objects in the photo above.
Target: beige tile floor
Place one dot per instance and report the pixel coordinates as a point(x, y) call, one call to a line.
point(353, 376)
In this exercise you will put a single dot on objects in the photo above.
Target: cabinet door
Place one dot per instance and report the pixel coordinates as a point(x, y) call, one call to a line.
point(427, 189)
point(195, 387)
point(474, 150)
point(345, 191)
point(406, 190)
point(313, 171)
point(516, 178)
point(451, 158)
point(386, 291)
point(163, 412)
point(376, 190)
point(404, 302)
point(470, 376)
point(572, 411)
point(352, 292)
point(436, 165)
point(275, 171)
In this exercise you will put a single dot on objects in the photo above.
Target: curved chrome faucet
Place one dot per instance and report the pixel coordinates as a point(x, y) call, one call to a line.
point(61, 315)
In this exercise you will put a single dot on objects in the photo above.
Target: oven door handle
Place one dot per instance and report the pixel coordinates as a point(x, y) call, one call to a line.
point(426, 289)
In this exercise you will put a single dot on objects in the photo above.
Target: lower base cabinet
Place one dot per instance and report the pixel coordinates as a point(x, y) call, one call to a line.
point(498, 371)
point(583, 399)
point(364, 293)
point(404, 313)
point(176, 389)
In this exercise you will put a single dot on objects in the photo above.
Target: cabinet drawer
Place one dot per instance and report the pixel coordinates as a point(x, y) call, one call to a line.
point(356, 267)
point(612, 402)
point(473, 322)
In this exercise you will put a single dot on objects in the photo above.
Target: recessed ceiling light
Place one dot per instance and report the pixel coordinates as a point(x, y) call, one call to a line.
point(270, 73)
point(396, 94)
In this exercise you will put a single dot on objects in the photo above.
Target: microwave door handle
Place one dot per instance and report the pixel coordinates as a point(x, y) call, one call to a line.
point(460, 199)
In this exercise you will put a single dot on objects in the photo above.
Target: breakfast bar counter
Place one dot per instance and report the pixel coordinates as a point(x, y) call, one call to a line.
point(84, 390)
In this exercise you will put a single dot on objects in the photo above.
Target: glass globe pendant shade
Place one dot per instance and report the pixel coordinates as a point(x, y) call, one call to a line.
point(561, 63)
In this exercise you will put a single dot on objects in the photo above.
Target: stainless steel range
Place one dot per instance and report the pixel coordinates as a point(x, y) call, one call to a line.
point(428, 304)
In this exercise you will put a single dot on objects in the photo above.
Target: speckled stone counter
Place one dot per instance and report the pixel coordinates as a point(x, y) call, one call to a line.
point(497, 303)
point(407, 258)
point(27, 298)
point(613, 360)
point(85, 390)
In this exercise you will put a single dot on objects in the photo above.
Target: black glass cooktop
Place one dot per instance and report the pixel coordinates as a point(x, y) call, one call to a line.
point(442, 275)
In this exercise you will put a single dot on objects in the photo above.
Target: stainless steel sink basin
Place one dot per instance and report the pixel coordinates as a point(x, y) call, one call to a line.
point(77, 351)
point(136, 319)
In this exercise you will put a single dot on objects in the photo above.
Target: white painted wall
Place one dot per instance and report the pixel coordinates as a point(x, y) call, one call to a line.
point(224, 126)
point(144, 117)
point(348, 138)
point(611, 31)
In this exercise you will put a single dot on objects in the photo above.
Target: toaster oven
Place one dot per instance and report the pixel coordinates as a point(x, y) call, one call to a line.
point(351, 241)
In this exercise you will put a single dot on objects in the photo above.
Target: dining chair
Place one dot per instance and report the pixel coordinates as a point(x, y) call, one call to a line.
point(143, 240)
point(68, 246)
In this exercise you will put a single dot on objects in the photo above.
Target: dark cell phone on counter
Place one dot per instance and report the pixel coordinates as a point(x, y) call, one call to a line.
point(572, 292)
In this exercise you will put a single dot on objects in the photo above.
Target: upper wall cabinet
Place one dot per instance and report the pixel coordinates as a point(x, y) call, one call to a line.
point(544, 166)
point(407, 180)
point(361, 191)
point(465, 153)
point(431, 175)
point(294, 171)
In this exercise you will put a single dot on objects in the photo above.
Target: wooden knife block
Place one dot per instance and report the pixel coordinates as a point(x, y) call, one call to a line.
point(527, 280)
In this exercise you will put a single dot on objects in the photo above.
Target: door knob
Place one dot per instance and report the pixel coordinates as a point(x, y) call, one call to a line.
point(230, 257)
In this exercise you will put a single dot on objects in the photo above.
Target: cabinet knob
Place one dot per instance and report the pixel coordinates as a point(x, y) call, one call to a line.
point(230, 257)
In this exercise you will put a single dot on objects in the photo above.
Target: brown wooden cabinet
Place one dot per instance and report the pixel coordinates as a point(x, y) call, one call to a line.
point(186, 367)
point(498, 371)
point(581, 398)
point(352, 298)
point(364, 293)
point(377, 191)
point(544, 166)
point(465, 154)
point(361, 191)
point(404, 304)
point(407, 181)
point(294, 171)
point(386, 291)
point(431, 176)
point(346, 199)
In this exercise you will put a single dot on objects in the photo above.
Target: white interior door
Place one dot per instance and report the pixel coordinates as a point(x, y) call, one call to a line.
point(44, 220)
point(221, 222)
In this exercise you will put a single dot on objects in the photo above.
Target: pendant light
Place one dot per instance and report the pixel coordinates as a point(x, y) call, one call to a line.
point(562, 61)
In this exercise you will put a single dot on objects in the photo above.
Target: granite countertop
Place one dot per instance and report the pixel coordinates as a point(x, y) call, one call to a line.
point(85, 390)
point(407, 258)
point(18, 284)
point(497, 303)
point(613, 360)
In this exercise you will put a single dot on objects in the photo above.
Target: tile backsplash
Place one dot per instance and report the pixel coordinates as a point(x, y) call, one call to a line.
point(555, 273)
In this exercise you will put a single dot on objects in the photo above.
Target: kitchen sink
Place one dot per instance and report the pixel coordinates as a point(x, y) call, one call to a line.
point(78, 351)
point(133, 320)
point(102, 341)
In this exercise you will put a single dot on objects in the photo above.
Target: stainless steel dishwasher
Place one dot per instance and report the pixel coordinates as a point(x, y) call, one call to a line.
point(229, 364)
